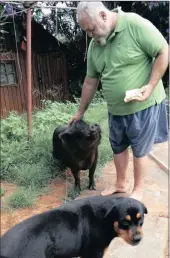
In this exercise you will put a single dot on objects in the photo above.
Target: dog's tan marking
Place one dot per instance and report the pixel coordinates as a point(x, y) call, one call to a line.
point(128, 217)
point(138, 215)
point(125, 234)
point(105, 250)
point(139, 230)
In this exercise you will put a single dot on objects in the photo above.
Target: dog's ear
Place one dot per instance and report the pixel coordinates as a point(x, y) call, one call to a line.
point(68, 132)
point(111, 214)
point(145, 209)
point(64, 135)
point(76, 121)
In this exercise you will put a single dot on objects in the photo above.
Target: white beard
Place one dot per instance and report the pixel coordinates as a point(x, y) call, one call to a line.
point(101, 41)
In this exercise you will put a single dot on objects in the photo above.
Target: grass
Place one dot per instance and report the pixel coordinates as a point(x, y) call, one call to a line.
point(2, 191)
point(29, 164)
point(21, 198)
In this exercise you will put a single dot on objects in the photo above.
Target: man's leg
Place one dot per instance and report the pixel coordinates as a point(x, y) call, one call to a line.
point(121, 164)
point(149, 126)
point(140, 168)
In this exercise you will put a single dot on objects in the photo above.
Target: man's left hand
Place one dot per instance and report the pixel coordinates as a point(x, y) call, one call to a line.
point(146, 92)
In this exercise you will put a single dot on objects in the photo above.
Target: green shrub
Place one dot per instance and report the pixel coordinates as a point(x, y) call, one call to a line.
point(30, 164)
point(21, 198)
point(2, 191)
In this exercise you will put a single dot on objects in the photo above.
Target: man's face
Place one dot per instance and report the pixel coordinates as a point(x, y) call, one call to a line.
point(96, 27)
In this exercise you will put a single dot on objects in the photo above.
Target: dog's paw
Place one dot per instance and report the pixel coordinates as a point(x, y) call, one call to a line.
point(92, 186)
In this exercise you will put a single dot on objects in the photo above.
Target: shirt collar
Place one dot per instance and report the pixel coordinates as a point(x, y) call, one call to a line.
point(121, 22)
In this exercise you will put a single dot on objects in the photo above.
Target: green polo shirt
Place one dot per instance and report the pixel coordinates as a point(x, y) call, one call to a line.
point(126, 61)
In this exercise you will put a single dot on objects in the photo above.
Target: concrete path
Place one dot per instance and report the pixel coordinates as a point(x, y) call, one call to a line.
point(155, 241)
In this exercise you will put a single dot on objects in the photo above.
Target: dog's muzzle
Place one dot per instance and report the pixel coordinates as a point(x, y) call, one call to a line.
point(94, 128)
point(136, 239)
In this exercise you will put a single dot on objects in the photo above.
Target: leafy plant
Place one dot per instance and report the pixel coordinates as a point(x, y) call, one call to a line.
point(2, 191)
point(30, 164)
point(21, 198)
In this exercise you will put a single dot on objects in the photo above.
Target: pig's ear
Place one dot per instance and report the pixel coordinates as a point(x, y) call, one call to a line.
point(64, 135)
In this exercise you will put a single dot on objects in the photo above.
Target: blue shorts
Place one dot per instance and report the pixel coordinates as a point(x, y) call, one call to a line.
point(140, 130)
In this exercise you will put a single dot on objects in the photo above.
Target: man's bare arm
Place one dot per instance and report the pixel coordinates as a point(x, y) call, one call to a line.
point(88, 91)
point(160, 66)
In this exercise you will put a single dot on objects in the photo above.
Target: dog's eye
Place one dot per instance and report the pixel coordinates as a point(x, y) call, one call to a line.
point(125, 223)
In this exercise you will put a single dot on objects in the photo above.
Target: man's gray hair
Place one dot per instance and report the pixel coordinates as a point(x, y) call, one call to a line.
point(90, 8)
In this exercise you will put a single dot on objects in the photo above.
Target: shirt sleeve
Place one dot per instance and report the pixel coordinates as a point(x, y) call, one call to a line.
point(91, 71)
point(149, 37)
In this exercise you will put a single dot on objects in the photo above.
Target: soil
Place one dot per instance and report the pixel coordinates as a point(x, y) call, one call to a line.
point(52, 199)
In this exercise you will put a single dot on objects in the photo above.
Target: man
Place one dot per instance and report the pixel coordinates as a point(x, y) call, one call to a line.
point(126, 52)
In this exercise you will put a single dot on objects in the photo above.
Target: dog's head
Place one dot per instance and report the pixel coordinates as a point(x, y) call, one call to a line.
point(128, 218)
point(84, 135)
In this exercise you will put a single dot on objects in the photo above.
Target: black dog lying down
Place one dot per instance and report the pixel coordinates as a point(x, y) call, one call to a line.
point(82, 227)
point(76, 145)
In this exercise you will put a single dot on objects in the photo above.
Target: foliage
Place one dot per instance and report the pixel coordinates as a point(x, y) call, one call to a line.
point(2, 26)
point(21, 198)
point(29, 164)
point(155, 11)
point(2, 191)
point(63, 25)
point(19, 154)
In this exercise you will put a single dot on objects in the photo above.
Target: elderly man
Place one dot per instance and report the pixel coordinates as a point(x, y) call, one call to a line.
point(126, 52)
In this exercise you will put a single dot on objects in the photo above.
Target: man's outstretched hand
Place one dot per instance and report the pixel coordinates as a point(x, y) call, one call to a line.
point(75, 117)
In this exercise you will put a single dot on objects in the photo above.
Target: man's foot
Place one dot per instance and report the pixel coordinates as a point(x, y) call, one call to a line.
point(112, 190)
point(137, 194)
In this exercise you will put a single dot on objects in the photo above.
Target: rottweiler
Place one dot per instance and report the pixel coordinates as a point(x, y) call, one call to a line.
point(76, 146)
point(80, 228)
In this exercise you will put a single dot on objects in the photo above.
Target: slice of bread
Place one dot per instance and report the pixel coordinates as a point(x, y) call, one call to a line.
point(132, 95)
